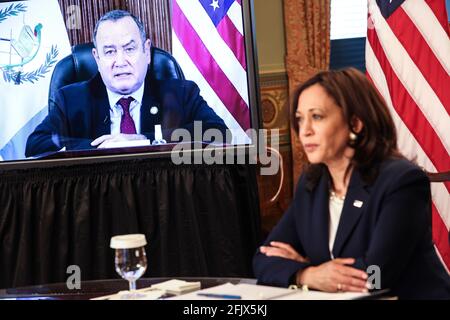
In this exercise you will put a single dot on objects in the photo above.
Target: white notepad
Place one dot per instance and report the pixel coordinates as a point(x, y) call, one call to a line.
point(128, 143)
point(243, 290)
point(258, 292)
point(177, 287)
point(156, 291)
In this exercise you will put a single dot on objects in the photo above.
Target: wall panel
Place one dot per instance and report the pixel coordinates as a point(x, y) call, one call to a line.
point(86, 13)
point(81, 16)
point(156, 16)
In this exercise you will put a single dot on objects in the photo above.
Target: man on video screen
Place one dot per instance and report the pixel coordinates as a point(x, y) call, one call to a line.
point(120, 103)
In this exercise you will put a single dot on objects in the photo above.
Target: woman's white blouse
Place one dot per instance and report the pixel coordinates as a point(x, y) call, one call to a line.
point(336, 205)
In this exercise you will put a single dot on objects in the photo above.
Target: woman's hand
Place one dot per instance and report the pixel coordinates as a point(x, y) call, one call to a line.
point(334, 276)
point(282, 250)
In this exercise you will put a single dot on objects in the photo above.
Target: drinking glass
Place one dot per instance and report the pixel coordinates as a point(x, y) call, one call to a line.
point(130, 260)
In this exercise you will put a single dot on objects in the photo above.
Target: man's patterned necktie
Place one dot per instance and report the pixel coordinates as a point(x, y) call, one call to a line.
point(126, 124)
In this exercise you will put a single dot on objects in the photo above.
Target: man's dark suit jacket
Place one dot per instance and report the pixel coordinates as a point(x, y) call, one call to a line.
point(392, 230)
point(81, 114)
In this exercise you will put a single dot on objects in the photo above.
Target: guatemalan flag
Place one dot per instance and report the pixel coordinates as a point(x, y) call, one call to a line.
point(408, 60)
point(33, 38)
point(208, 43)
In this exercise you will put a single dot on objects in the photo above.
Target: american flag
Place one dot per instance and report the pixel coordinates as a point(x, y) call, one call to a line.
point(208, 43)
point(408, 60)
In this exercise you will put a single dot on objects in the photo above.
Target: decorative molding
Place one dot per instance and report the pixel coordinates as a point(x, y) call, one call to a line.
point(274, 101)
point(272, 79)
point(274, 104)
point(272, 68)
point(269, 111)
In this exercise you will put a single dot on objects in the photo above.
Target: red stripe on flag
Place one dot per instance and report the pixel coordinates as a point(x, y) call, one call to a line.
point(422, 55)
point(409, 112)
point(233, 39)
point(440, 11)
point(441, 236)
point(209, 68)
point(370, 78)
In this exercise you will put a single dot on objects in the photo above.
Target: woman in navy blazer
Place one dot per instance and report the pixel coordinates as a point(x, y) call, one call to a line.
point(361, 214)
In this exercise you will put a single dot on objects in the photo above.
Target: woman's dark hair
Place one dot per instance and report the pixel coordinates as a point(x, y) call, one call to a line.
point(358, 98)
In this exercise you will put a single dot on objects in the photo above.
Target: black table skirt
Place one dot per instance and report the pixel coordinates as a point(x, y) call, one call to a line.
point(199, 220)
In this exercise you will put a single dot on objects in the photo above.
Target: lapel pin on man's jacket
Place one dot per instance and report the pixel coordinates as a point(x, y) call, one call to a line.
point(357, 203)
point(154, 110)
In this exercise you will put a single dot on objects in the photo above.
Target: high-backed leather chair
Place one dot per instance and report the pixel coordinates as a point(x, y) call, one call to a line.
point(81, 66)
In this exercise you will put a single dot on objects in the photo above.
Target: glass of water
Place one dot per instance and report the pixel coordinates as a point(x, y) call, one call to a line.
point(130, 259)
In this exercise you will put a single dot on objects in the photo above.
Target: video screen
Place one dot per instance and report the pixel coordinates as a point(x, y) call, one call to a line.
point(121, 95)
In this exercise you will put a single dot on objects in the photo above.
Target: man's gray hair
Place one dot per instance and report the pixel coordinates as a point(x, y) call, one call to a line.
point(117, 15)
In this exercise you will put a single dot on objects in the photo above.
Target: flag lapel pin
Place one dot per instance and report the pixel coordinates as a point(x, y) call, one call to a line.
point(357, 203)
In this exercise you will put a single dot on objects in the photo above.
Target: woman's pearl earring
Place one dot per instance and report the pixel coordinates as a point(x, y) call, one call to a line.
point(353, 136)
